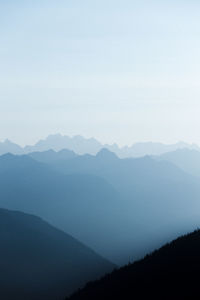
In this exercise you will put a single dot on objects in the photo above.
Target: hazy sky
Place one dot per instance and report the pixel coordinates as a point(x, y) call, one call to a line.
point(121, 71)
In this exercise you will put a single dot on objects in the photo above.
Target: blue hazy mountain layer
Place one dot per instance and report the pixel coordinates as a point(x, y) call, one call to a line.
point(121, 208)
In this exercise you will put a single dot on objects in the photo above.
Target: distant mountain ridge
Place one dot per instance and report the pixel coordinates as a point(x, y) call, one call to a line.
point(81, 145)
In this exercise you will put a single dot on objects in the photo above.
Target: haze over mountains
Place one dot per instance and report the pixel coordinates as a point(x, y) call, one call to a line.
point(121, 208)
point(81, 145)
point(81, 216)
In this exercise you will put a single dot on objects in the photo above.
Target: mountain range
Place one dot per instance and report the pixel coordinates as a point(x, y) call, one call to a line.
point(81, 145)
point(41, 262)
point(120, 208)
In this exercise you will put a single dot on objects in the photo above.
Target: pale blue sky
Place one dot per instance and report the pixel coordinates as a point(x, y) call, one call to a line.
point(123, 71)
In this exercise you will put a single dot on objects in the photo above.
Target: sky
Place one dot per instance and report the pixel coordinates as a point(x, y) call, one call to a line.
point(121, 71)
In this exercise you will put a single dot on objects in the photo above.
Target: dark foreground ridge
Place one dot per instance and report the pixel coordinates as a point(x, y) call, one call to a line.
point(172, 272)
point(38, 261)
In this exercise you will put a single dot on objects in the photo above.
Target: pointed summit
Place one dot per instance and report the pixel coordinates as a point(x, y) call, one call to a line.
point(104, 153)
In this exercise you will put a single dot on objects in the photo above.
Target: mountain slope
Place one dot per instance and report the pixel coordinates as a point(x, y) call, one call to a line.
point(39, 261)
point(172, 272)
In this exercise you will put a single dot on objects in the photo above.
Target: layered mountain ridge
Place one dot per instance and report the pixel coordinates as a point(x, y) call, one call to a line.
point(81, 145)
point(121, 208)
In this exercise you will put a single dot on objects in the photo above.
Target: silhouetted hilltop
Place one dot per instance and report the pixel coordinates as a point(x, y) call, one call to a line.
point(171, 272)
point(38, 261)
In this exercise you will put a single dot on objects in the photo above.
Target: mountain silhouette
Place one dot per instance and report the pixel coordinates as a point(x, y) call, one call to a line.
point(39, 261)
point(171, 272)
